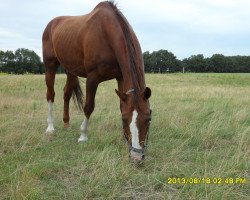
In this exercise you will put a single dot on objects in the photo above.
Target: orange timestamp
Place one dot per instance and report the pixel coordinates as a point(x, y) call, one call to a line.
point(207, 180)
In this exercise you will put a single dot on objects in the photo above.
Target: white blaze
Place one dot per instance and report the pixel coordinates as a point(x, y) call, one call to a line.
point(134, 131)
point(50, 118)
point(84, 130)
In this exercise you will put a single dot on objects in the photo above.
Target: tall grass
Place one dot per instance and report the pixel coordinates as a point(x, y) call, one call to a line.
point(200, 129)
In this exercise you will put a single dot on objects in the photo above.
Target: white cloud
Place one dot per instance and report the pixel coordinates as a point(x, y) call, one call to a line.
point(6, 33)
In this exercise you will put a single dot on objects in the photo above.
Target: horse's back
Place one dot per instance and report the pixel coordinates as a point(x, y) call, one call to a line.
point(80, 43)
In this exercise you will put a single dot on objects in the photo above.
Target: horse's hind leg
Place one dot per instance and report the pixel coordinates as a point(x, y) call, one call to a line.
point(50, 67)
point(71, 84)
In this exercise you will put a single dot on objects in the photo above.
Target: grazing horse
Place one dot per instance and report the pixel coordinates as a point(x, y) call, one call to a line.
point(99, 46)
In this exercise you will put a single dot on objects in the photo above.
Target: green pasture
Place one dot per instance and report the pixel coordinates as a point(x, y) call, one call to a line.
point(199, 142)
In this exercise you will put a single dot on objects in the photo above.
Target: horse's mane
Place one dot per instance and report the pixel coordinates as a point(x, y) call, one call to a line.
point(137, 72)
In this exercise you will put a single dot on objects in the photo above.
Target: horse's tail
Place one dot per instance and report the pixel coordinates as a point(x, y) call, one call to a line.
point(78, 96)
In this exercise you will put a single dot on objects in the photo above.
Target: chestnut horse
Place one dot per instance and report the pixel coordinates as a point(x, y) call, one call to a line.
point(99, 46)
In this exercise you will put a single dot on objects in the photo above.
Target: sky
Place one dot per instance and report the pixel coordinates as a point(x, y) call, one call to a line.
point(184, 27)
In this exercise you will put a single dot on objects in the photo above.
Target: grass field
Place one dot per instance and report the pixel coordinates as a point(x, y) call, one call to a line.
point(200, 131)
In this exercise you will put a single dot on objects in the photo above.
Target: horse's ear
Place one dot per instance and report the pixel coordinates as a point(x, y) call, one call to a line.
point(147, 93)
point(121, 95)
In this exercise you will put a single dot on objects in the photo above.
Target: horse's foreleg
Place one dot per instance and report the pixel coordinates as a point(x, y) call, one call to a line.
point(71, 83)
point(50, 80)
point(91, 87)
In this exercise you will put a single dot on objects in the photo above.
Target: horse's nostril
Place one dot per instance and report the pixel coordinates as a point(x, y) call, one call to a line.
point(136, 157)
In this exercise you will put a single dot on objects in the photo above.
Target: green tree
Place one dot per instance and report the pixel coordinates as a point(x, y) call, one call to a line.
point(26, 61)
point(240, 63)
point(147, 61)
point(7, 61)
point(161, 61)
point(21, 61)
point(1, 60)
point(196, 63)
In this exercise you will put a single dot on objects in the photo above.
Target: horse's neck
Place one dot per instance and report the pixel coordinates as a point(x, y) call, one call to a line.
point(133, 81)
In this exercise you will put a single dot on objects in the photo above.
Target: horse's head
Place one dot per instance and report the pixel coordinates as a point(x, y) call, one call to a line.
point(136, 117)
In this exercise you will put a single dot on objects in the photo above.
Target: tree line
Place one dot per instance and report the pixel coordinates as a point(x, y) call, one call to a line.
point(27, 61)
point(21, 61)
point(164, 61)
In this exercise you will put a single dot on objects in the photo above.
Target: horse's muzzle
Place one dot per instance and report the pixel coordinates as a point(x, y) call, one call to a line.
point(136, 157)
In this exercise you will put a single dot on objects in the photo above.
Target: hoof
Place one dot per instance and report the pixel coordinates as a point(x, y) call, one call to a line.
point(83, 138)
point(66, 125)
point(50, 129)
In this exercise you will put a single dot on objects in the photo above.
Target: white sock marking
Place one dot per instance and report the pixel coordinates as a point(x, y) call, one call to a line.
point(50, 118)
point(134, 131)
point(83, 131)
